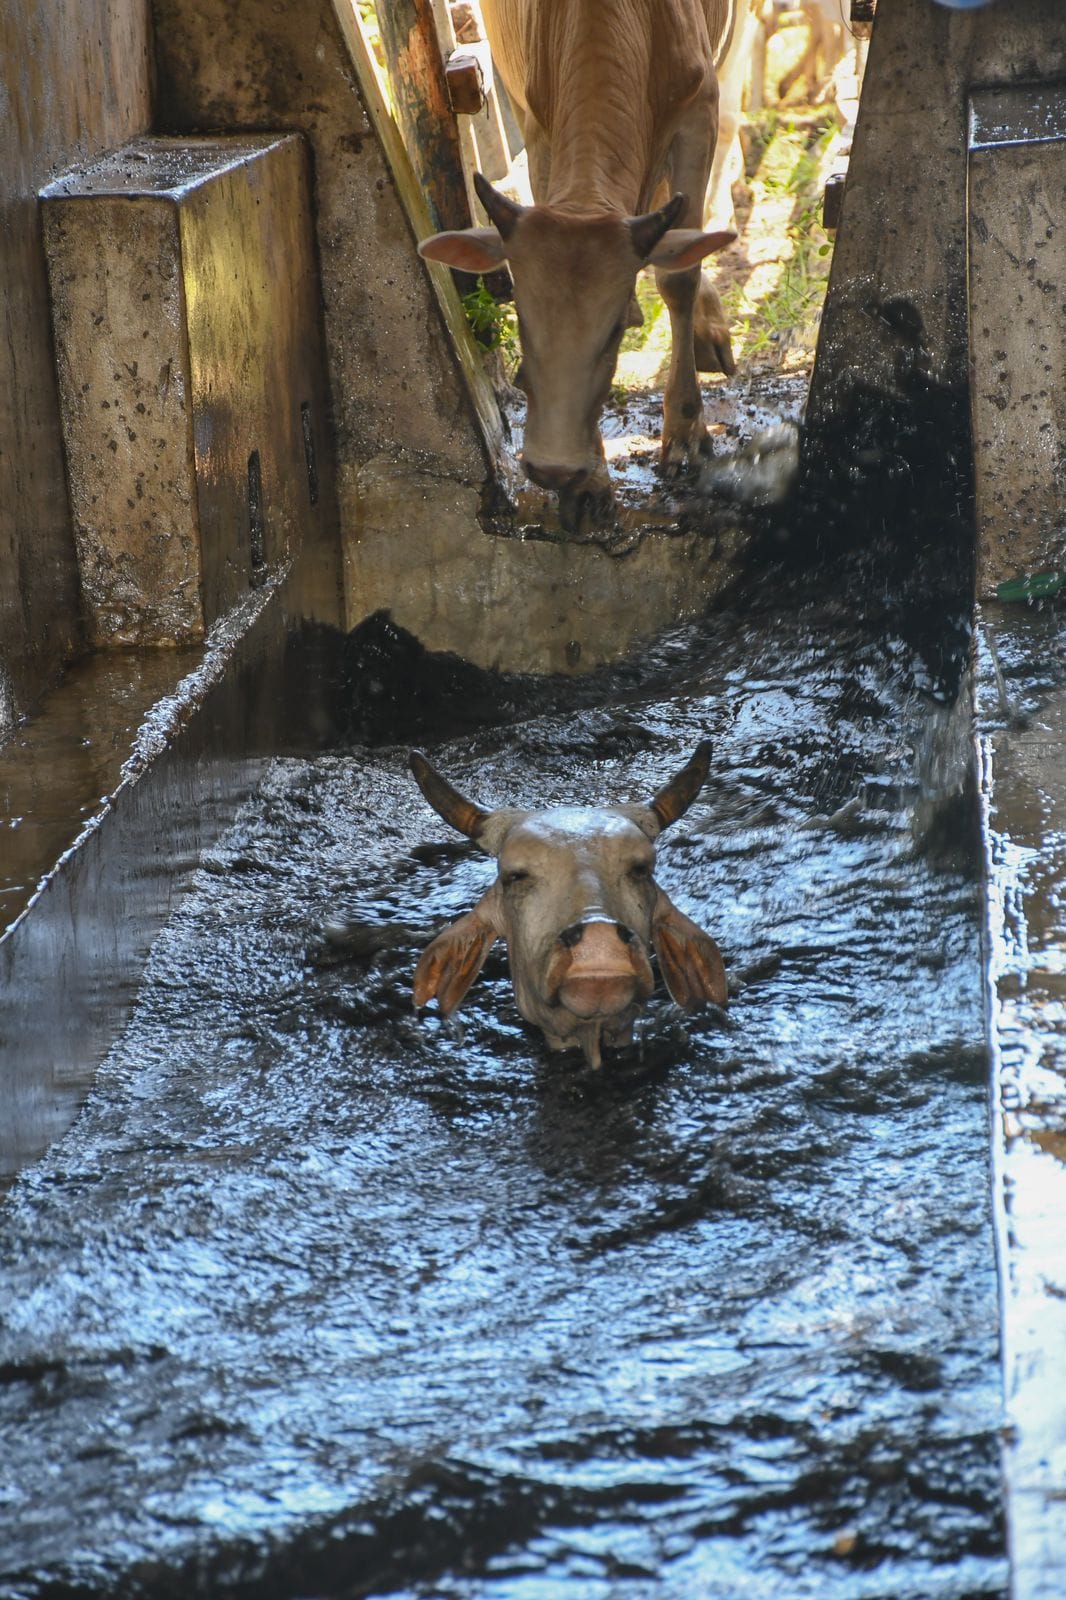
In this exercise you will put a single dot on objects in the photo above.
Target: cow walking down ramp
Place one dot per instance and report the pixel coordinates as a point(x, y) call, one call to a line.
point(618, 101)
point(576, 900)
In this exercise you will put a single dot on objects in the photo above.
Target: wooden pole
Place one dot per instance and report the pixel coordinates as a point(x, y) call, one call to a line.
point(415, 66)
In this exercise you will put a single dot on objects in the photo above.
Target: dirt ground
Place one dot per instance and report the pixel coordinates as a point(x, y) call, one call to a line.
point(772, 281)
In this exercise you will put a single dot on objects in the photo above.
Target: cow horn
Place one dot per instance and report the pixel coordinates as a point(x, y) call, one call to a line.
point(646, 231)
point(674, 799)
point(447, 802)
point(503, 213)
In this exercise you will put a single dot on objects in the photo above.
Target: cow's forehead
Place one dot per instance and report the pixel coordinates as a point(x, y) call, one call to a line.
point(600, 245)
point(595, 229)
point(567, 826)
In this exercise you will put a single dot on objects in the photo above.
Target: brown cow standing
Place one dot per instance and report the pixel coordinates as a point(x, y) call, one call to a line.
point(618, 101)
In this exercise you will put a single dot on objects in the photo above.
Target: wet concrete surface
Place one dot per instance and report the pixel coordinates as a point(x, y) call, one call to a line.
point(133, 764)
point(646, 501)
point(1021, 704)
point(320, 1297)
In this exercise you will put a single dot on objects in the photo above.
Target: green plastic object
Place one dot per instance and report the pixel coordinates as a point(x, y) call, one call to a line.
point(1032, 587)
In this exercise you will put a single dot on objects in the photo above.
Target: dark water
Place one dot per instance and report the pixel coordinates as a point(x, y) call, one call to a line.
point(318, 1298)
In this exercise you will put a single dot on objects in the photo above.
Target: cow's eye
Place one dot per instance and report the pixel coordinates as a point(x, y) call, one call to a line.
point(640, 869)
point(510, 878)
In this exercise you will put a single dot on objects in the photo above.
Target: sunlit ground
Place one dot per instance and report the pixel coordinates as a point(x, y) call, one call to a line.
point(773, 279)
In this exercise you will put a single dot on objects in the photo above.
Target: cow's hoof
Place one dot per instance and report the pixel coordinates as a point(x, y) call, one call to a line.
point(680, 456)
point(714, 352)
point(712, 348)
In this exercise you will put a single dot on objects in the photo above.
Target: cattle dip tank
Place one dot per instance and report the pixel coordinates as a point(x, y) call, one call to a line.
point(321, 1296)
point(663, 1266)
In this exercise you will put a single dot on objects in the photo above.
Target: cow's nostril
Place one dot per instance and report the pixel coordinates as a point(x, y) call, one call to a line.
point(624, 933)
point(572, 935)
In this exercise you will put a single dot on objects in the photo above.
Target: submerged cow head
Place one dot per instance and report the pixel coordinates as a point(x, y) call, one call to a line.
point(576, 900)
point(574, 277)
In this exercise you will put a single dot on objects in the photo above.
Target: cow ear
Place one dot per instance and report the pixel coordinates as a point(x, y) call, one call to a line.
point(685, 247)
point(448, 966)
point(470, 250)
point(690, 961)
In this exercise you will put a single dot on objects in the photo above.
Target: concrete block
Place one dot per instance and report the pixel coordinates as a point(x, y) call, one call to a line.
point(1017, 254)
point(188, 346)
point(902, 231)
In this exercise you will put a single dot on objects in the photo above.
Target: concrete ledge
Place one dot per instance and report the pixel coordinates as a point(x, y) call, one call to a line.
point(514, 604)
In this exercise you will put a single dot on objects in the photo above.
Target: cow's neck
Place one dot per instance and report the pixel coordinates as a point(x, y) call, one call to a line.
point(607, 95)
point(596, 177)
point(602, 149)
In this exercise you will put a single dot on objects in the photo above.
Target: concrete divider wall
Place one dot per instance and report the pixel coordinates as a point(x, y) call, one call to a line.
point(78, 80)
point(395, 381)
point(898, 287)
point(75, 80)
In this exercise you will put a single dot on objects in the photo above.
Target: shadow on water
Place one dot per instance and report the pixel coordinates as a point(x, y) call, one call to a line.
point(320, 1297)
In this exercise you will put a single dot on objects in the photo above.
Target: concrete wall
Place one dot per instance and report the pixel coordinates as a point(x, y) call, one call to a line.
point(75, 79)
point(897, 293)
point(78, 78)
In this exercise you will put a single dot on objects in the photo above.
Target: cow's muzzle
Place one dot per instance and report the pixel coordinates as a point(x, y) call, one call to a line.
point(603, 969)
point(562, 480)
point(586, 499)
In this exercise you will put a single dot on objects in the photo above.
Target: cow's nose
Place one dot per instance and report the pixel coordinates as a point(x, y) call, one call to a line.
point(573, 935)
point(561, 479)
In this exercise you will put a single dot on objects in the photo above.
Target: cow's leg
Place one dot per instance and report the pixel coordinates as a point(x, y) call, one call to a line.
point(733, 73)
point(727, 166)
point(684, 431)
point(807, 65)
point(713, 347)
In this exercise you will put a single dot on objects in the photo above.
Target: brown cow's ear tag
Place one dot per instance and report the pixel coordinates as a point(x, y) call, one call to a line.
point(469, 249)
point(691, 962)
point(448, 966)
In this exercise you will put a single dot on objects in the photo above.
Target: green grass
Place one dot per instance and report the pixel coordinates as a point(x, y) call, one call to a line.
point(791, 154)
point(789, 170)
point(493, 323)
point(653, 309)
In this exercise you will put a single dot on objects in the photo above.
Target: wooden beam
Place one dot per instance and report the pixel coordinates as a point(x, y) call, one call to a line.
point(415, 65)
